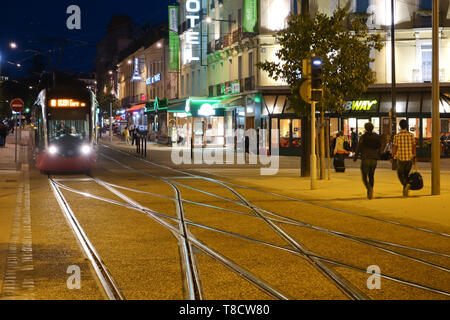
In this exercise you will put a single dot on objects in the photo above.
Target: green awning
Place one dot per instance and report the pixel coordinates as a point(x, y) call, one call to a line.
point(179, 107)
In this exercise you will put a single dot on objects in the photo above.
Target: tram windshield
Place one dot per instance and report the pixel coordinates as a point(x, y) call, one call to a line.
point(74, 128)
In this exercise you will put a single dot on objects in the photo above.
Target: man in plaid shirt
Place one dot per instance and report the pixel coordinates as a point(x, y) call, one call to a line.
point(404, 151)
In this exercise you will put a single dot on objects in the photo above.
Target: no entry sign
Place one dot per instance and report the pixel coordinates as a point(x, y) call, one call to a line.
point(17, 105)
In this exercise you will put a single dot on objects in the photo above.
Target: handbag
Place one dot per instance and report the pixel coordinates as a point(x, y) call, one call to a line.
point(415, 179)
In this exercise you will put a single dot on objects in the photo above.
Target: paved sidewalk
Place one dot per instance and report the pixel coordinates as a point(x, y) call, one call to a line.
point(344, 190)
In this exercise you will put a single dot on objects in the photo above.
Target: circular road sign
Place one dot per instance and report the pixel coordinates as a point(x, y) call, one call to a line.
point(17, 105)
point(305, 91)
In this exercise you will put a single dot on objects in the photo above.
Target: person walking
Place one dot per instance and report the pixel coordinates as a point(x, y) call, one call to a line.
point(126, 133)
point(404, 150)
point(133, 134)
point(3, 134)
point(354, 139)
point(369, 146)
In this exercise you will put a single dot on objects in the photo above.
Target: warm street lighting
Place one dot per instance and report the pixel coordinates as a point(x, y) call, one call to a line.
point(13, 45)
point(129, 61)
point(208, 20)
point(110, 72)
point(158, 45)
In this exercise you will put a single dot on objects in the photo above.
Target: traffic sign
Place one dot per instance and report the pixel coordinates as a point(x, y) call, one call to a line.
point(305, 91)
point(17, 105)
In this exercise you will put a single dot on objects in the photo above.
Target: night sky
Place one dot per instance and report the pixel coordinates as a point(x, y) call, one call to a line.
point(28, 23)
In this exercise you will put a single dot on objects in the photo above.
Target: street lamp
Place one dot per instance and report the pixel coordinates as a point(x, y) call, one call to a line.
point(13, 45)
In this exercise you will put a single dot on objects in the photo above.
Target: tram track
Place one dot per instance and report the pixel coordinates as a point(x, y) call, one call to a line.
point(134, 205)
point(351, 237)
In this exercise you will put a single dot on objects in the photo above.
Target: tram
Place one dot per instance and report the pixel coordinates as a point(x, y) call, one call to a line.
point(66, 129)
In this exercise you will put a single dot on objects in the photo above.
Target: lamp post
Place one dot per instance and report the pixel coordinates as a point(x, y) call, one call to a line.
point(435, 124)
point(393, 82)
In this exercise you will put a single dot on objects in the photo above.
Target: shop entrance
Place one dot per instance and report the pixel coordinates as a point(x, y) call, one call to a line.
point(290, 136)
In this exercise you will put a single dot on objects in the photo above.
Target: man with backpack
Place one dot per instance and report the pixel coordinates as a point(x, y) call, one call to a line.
point(369, 146)
point(404, 150)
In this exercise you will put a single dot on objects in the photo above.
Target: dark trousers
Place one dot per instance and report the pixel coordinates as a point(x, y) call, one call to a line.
point(368, 167)
point(403, 169)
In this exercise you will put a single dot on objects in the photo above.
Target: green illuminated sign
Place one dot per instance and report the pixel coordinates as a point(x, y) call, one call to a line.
point(174, 40)
point(250, 15)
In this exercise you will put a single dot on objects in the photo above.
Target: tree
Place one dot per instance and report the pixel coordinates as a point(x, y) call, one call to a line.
point(344, 43)
point(104, 101)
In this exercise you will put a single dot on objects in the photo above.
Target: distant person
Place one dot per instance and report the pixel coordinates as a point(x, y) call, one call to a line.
point(340, 152)
point(133, 134)
point(404, 150)
point(369, 146)
point(3, 134)
point(127, 135)
point(354, 139)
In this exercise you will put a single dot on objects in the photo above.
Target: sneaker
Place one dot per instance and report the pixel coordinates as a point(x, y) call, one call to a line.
point(406, 190)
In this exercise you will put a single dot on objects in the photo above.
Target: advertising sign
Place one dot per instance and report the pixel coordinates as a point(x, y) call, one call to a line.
point(250, 15)
point(174, 41)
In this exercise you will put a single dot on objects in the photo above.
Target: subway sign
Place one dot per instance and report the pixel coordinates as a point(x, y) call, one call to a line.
point(361, 105)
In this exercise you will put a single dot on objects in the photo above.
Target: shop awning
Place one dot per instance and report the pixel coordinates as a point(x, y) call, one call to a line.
point(179, 107)
point(233, 101)
point(136, 108)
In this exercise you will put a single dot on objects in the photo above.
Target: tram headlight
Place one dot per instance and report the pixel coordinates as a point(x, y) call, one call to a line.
point(52, 150)
point(85, 149)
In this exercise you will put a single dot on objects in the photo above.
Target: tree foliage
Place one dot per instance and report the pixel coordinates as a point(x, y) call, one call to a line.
point(104, 100)
point(345, 53)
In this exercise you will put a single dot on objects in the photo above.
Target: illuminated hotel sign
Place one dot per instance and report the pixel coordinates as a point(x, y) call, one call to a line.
point(154, 79)
point(360, 105)
point(66, 103)
point(136, 75)
point(192, 40)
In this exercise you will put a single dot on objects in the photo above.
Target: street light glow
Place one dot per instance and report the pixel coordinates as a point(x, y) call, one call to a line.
point(208, 20)
point(13, 45)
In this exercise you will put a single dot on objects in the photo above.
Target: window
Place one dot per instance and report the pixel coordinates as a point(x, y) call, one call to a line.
point(182, 85)
point(193, 83)
point(362, 6)
point(240, 67)
point(239, 19)
point(426, 63)
point(250, 64)
point(199, 82)
point(187, 83)
point(426, 4)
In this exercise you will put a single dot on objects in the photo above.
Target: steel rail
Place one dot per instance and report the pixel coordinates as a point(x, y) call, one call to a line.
point(248, 277)
point(109, 286)
point(283, 196)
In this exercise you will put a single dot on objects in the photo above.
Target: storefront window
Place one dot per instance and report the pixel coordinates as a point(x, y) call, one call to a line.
point(285, 133)
point(275, 133)
point(414, 127)
point(352, 123)
point(376, 125)
point(361, 124)
point(279, 105)
point(296, 133)
point(426, 128)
